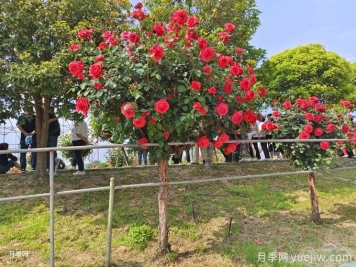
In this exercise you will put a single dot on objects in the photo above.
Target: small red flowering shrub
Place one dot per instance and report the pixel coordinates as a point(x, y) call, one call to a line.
point(164, 82)
point(308, 119)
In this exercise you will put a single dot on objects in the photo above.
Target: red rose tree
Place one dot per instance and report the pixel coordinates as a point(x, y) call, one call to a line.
point(308, 119)
point(164, 82)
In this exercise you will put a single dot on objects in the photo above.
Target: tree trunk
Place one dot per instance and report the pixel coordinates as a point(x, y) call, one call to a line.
point(162, 206)
point(209, 157)
point(315, 215)
point(42, 128)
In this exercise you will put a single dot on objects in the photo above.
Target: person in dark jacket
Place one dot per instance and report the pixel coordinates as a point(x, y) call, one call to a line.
point(27, 125)
point(7, 161)
point(54, 131)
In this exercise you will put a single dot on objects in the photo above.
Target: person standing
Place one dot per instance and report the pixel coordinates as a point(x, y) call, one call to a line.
point(262, 136)
point(142, 154)
point(53, 132)
point(79, 138)
point(26, 123)
point(255, 135)
point(7, 161)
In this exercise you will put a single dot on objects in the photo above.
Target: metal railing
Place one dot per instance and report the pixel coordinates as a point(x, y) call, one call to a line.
point(52, 192)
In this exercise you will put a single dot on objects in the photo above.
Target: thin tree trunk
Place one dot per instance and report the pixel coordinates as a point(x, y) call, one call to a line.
point(315, 215)
point(209, 157)
point(162, 206)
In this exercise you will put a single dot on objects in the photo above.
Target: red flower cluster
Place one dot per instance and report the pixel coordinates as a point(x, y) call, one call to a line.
point(82, 105)
point(205, 96)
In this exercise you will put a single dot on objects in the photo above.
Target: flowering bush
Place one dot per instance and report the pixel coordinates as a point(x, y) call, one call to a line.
point(66, 140)
point(308, 119)
point(165, 82)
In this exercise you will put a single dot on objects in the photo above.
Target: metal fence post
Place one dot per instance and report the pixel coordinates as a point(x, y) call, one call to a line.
point(51, 206)
point(109, 229)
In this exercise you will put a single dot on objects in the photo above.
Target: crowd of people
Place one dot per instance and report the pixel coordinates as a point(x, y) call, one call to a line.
point(26, 123)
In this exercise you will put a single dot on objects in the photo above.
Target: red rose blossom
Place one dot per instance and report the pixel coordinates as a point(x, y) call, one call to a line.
point(318, 131)
point(166, 135)
point(229, 27)
point(318, 118)
point(202, 43)
point(203, 142)
point(158, 29)
point(212, 90)
point(239, 50)
point(74, 47)
point(236, 70)
point(304, 135)
point(139, 123)
point(308, 128)
point(86, 33)
point(161, 106)
point(192, 21)
point(224, 61)
point(237, 117)
point(287, 105)
point(96, 70)
point(309, 116)
point(76, 67)
point(330, 127)
point(156, 53)
point(345, 128)
point(224, 138)
point(250, 117)
point(207, 70)
point(102, 46)
point(128, 110)
point(195, 85)
point(207, 54)
point(224, 37)
point(230, 148)
point(82, 105)
point(221, 109)
point(245, 84)
point(98, 86)
point(324, 145)
point(249, 95)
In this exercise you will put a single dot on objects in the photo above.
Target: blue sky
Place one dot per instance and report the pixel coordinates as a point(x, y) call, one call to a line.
point(286, 24)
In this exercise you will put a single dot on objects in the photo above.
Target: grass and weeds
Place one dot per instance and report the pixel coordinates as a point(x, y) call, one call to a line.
point(243, 222)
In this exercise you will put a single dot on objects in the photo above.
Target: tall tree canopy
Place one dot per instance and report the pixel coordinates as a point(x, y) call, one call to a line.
point(34, 39)
point(307, 71)
point(213, 14)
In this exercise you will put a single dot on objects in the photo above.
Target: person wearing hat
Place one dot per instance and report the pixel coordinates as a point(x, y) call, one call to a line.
point(26, 123)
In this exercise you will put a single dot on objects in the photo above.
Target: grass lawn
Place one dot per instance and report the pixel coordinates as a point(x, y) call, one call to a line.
point(250, 222)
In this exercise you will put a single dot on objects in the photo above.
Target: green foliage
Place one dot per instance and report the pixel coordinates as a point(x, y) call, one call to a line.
point(65, 140)
point(115, 157)
point(139, 236)
point(136, 78)
point(307, 71)
point(308, 113)
point(34, 38)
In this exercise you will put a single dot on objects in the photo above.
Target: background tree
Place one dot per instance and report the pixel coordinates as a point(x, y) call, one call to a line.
point(307, 119)
point(353, 83)
point(34, 38)
point(213, 15)
point(307, 71)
